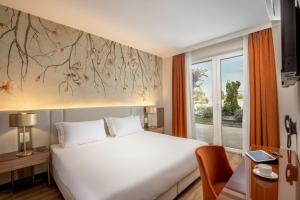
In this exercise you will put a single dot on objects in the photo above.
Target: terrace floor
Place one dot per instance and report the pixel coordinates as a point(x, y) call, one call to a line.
point(231, 136)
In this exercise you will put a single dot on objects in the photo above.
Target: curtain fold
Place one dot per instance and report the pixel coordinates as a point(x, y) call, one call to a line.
point(179, 115)
point(264, 129)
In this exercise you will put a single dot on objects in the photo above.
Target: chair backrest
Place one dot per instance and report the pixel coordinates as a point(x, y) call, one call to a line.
point(214, 167)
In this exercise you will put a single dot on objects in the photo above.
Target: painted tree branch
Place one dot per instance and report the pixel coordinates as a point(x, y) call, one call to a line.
point(95, 71)
point(66, 61)
point(35, 42)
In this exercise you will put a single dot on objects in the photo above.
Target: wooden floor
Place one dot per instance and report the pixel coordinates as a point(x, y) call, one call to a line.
point(36, 191)
point(40, 190)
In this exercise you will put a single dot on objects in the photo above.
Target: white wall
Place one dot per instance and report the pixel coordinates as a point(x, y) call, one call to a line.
point(288, 98)
point(167, 93)
point(218, 49)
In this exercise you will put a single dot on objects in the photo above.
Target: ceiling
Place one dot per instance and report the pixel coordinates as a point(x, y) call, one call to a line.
point(161, 27)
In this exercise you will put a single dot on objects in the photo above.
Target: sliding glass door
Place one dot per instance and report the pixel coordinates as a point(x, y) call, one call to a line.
point(232, 97)
point(218, 100)
point(203, 100)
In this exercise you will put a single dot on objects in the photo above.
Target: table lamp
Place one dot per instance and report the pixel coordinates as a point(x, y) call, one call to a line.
point(23, 120)
point(149, 110)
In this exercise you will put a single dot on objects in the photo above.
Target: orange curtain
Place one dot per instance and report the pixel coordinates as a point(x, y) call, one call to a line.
point(264, 129)
point(179, 116)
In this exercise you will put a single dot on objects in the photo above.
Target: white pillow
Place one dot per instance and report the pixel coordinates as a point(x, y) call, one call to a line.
point(76, 133)
point(123, 126)
point(60, 132)
point(109, 126)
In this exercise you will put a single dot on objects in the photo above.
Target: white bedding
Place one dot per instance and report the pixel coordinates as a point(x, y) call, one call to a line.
point(134, 167)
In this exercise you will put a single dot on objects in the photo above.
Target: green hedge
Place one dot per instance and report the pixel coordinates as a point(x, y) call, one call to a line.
point(204, 115)
point(203, 120)
point(209, 121)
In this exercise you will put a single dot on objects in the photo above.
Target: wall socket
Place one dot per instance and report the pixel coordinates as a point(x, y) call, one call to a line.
point(27, 137)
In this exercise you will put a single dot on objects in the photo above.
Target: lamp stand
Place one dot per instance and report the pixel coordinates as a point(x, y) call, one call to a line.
point(24, 152)
point(150, 120)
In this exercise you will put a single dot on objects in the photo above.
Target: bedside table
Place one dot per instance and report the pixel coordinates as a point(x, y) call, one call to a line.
point(9, 162)
point(155, 129)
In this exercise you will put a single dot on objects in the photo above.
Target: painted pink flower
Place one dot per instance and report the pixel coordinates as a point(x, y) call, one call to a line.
point(3, 25)
point(76, 66)
point(92, 55)
point(7, 87)
point(55, 32)
point(38, 78)
point(125, 87)
point(60, 49)
point(86, 78)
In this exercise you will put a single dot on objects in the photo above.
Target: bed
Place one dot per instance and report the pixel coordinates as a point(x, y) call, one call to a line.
point(143, 165)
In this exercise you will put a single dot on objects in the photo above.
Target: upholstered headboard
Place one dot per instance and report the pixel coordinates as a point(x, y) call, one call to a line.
point(44, 133)
point(87, 114)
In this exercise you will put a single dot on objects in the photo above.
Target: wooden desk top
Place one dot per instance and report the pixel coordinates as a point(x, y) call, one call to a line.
point(243, 184)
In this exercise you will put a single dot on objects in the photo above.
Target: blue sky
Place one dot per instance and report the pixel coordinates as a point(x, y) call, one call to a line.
point(231, 69)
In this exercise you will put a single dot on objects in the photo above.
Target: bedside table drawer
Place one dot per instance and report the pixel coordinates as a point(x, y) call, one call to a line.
point(30, 161)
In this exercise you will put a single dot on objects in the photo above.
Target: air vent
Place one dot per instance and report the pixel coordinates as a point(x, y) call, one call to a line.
point(273, 9)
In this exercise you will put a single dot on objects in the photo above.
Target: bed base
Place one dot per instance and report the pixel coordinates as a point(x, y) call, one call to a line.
point(64, 190)
point(180, 186)
point(170, 194)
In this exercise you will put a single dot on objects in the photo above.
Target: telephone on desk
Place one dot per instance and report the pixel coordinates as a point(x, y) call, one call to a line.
point(291, 129)
point(291, 172)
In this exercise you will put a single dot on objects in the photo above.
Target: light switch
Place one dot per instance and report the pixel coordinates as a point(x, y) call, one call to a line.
point(27, 137)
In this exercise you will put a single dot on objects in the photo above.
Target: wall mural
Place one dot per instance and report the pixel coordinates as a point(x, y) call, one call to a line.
point(45, 65)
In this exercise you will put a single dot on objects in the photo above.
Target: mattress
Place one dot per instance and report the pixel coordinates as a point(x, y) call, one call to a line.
point(135, 167)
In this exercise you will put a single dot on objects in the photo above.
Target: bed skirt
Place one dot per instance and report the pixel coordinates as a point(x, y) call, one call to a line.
point(170, 194)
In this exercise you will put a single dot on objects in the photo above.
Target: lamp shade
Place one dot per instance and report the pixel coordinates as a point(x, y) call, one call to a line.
point(150, 109)
point(22, 119)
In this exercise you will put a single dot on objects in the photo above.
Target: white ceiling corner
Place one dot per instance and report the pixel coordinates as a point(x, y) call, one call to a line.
point(160, 27)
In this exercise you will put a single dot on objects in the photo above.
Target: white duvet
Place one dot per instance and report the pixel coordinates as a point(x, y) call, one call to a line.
point(135, 167)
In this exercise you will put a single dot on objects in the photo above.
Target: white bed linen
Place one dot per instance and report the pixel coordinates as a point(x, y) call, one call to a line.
point(133, 167)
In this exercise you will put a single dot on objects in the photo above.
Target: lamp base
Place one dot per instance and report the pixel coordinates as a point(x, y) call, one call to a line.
point(24, 153)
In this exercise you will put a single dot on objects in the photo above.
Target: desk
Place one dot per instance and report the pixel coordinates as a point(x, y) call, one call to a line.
point(243, 184)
